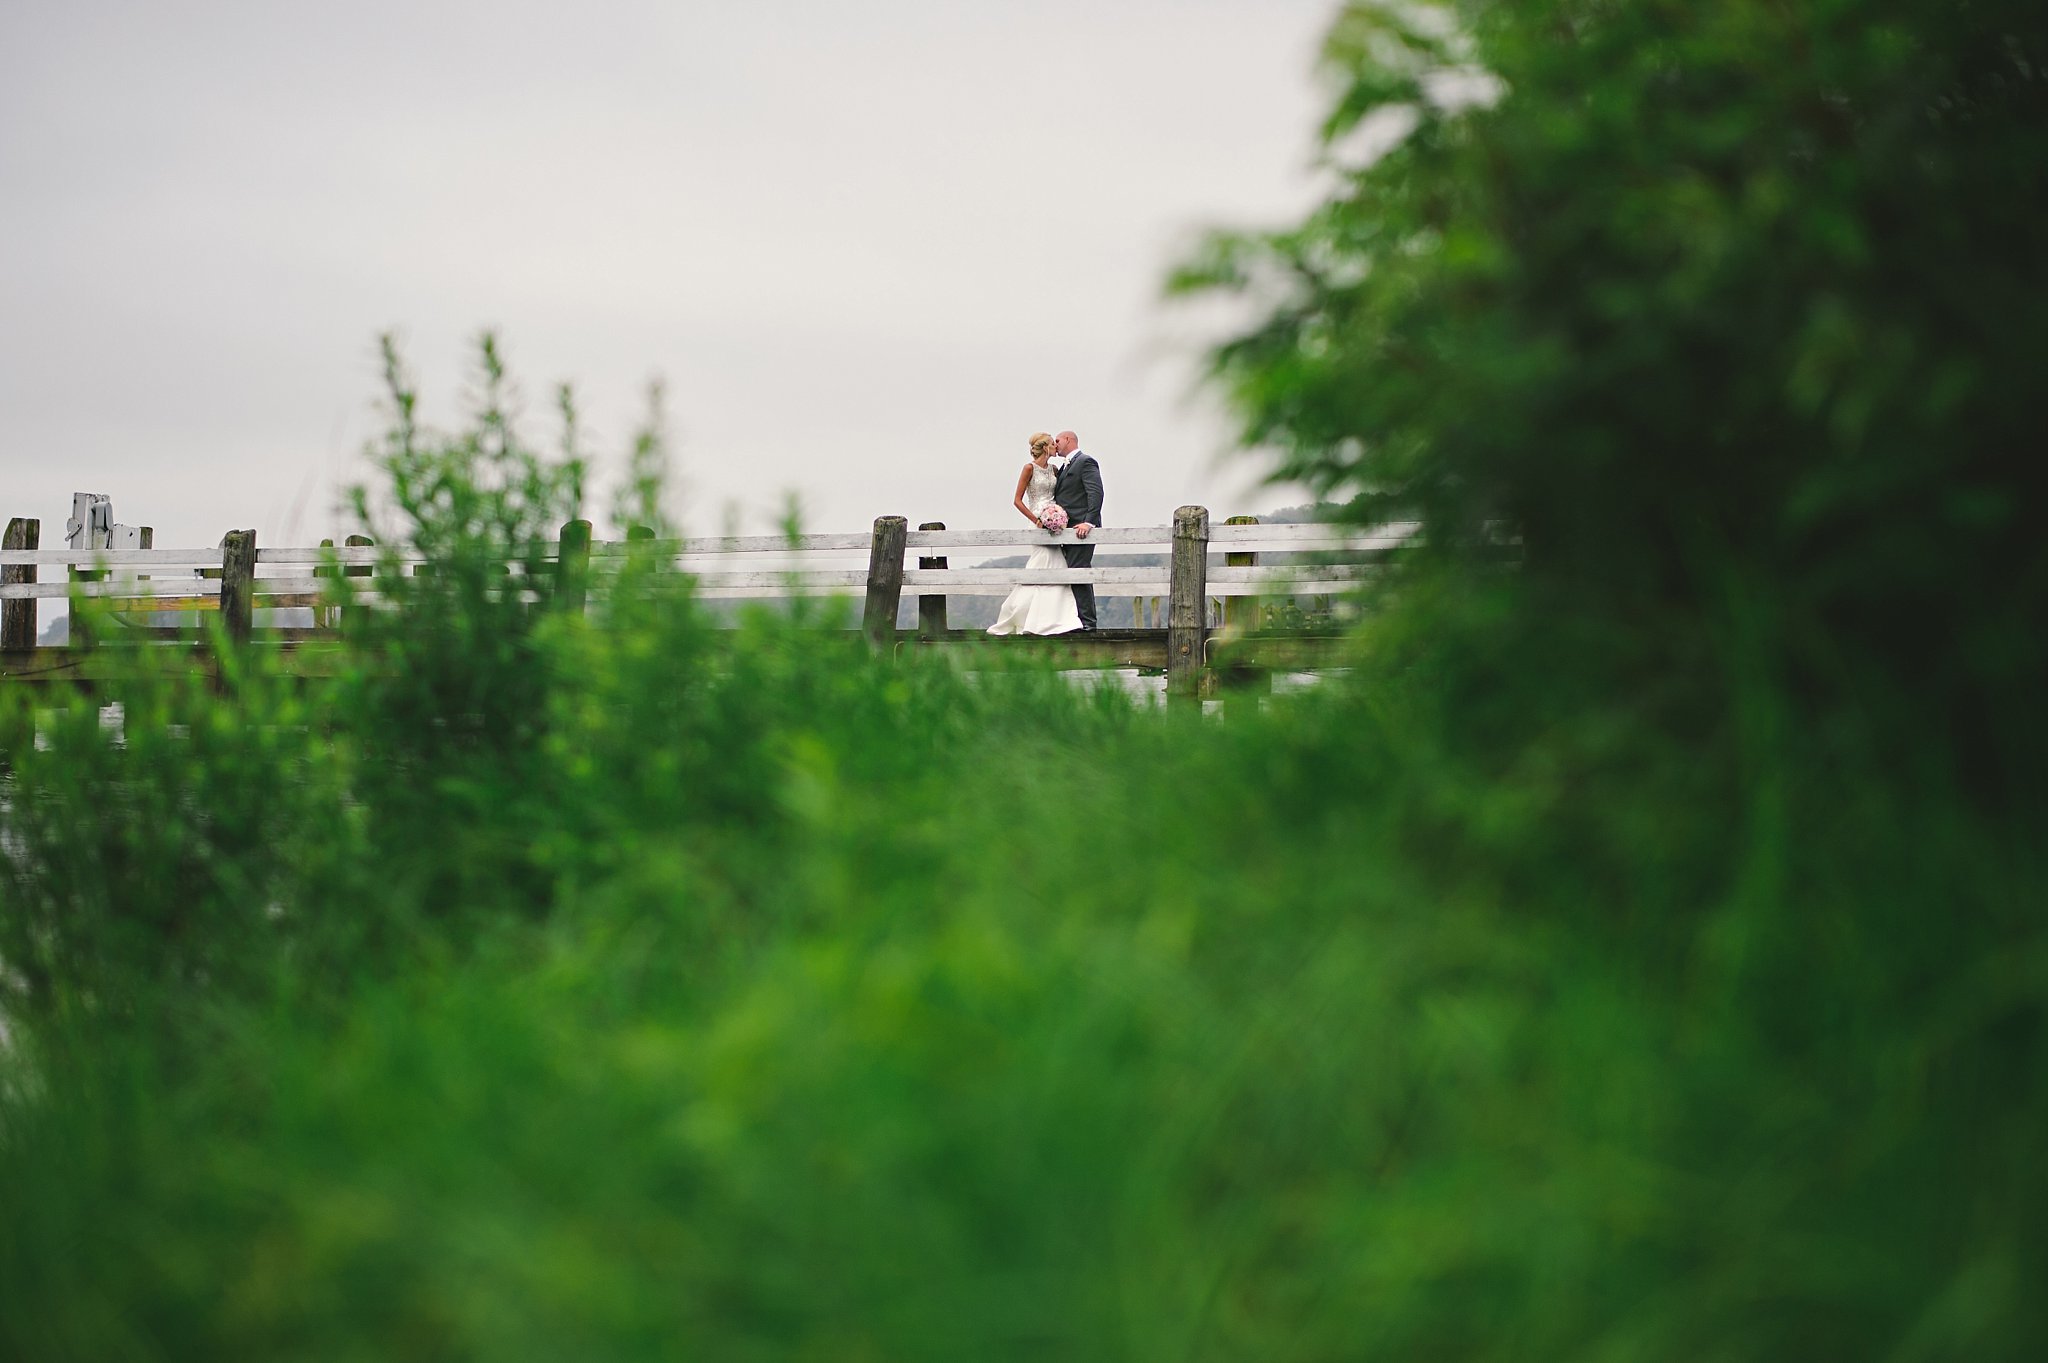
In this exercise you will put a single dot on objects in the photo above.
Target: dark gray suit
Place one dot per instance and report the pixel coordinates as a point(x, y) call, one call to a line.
point(1079, 493)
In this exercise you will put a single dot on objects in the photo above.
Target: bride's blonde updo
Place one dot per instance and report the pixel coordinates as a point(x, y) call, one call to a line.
point(1041, 443)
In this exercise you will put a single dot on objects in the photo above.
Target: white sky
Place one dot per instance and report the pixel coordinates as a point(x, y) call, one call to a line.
point(868, 247)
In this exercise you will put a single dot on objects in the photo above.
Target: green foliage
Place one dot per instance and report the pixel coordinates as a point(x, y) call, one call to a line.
point(482, 506)
point(1638, 955)
point(118, 886)
point(869, 1010)
point(1724, 318)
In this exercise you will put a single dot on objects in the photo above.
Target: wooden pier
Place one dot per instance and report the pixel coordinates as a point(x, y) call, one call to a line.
point(1209, 621)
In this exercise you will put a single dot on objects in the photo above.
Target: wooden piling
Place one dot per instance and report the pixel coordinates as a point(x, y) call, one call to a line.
point(84, 612)
point(238, 584)
point(574, 566)
point(1241, 613)
point(18, 627)
point(324, 616)
point(1245, 685)
point(885, 580)
point(931, 609)
point(18, 618)
point(1187, 605)
point(341, 618)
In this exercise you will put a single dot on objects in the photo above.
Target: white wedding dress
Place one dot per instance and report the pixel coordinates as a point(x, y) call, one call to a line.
point(1039, 610)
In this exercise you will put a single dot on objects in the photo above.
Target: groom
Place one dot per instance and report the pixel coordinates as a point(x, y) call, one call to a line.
point(1079, 493)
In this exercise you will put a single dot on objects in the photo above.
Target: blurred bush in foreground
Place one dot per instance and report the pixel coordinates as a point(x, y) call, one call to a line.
point(1639, 955)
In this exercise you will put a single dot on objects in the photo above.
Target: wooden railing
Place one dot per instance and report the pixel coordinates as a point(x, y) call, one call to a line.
point(1190, 597)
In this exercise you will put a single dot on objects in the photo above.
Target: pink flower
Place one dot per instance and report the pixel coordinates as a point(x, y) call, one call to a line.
point(1053, 518)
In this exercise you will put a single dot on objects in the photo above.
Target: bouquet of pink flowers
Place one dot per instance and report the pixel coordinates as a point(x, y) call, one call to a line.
point(1053, 518)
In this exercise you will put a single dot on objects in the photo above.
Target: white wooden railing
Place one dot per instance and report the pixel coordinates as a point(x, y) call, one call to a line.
point(880, 565)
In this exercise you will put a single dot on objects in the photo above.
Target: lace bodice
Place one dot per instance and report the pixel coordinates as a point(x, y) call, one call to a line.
point(1039, 493)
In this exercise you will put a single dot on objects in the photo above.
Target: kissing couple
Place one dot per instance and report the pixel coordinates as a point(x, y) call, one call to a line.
point(1059, 487)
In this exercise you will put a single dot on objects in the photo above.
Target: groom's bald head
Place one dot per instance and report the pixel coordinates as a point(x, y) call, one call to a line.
point(1067, 442)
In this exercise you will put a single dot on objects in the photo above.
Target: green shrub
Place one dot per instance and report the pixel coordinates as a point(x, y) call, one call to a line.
point(1721, 320)
point(1637, 955)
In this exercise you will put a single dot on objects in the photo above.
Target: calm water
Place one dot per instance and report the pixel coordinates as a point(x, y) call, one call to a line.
point(1153, 687)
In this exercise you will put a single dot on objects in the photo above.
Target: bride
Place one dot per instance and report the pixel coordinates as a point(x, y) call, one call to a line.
point(1038, 610)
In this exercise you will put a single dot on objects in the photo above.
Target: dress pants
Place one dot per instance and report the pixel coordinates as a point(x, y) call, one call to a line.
point(1082, 556)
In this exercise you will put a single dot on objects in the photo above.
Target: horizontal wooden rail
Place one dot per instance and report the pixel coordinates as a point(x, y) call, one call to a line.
point(1184, 568)
point(735, 544)
point(1313, 535)
point(1312, 539)
point(370, 555)
point(105, 558)
point(1304, 538)
point(148, 589)
point(1138, 581)
point(796, 582)
point(1275, 538)
point(1269, 539)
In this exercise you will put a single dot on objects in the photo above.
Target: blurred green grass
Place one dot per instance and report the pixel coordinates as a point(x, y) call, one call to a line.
point(1637, 953)
point(767, 1000)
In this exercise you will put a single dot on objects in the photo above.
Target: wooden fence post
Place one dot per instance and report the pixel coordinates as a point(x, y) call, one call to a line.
point(341, 618)
point(325, 617)
point(81, 619)
point(238, 583)
point(18, 618)
point(358, 569)
point(640, 547)
point(1187, 607)
point(1240, 618)
point(931, 610)
point(885, 580)
point(574, 565)
point(1241, 613)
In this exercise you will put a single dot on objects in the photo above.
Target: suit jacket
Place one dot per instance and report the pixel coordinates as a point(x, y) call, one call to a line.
point(1079, 490)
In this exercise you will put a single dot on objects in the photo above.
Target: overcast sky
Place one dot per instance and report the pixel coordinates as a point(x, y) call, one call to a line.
point(868, 247)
